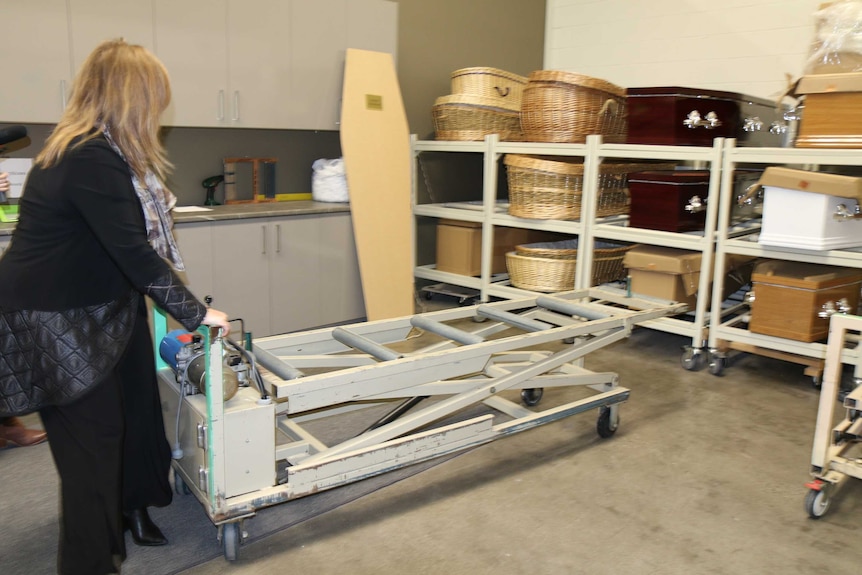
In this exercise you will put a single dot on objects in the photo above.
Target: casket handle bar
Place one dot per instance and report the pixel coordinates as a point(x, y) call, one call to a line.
point(695, 120)
point(695, 205)
point(843, 213)
point(830, 308)
point(752, 124)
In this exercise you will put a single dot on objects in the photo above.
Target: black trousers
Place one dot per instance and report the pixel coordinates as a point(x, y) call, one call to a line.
point(112, 456)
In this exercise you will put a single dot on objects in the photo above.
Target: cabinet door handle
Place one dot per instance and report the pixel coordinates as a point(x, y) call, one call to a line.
point(236, 105)
point(220, 106)
point(278, 238)
point(263, 238)
point(62, 95)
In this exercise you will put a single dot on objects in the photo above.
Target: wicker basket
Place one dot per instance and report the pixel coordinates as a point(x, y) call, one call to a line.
point(565, 107)
point(549, 188)
point(466, 117)
point(550, 266)
point(490, 83)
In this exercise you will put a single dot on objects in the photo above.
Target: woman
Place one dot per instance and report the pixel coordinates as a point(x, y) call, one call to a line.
point(93, 235)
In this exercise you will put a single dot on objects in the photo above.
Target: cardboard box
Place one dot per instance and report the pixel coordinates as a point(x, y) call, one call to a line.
point(665, 273)
point(799, 208)
point(788, 297)
point(459, 246)
point(674, 274)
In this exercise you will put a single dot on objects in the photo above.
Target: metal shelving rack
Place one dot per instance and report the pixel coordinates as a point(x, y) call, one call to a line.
point(587, 229)
point(730, 331)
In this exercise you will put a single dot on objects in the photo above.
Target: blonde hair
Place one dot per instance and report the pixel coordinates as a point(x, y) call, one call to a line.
point(126, 88)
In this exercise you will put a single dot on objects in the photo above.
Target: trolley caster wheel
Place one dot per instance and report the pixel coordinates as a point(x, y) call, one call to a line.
point(816, 381)
point(429, 295)
point(716, 365)
point(604, 426)
point(230, 540)
point(817, 503)
point(691, 359)
point(180, 486)
point(532, 396)
point(467, 302)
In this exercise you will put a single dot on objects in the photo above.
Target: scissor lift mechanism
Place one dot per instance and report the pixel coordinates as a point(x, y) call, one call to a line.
point(235, 465)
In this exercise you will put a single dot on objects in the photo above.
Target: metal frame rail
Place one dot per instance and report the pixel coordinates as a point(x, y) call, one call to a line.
point(513, 346)
point(836, 455)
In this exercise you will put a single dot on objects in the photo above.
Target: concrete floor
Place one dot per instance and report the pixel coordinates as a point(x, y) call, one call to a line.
point(705, 476)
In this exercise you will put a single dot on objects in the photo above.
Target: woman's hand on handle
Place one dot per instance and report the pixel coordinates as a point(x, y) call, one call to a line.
point(216, 318)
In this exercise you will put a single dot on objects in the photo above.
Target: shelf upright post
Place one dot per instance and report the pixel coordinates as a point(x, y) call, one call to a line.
point(490, 162)
point(414, 201)
point(708, 247)
point(722, 227)
point(589, 206)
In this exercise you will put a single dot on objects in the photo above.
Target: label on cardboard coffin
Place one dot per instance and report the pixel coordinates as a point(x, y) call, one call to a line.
point(808, 221)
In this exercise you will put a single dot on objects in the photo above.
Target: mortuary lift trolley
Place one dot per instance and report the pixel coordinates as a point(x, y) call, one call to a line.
point(255, 449)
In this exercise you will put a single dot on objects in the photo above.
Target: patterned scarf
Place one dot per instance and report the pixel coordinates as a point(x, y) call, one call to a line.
point(156, 202)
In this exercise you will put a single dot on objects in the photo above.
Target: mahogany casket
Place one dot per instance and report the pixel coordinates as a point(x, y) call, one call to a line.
point(681, 116)
point(666, 199)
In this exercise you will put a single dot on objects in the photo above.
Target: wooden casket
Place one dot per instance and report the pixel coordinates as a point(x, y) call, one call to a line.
point(681, 116)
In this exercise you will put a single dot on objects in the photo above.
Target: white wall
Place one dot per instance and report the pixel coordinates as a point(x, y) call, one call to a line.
point(743, 46)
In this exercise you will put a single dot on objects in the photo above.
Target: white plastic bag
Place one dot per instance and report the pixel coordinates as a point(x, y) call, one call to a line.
point(329, 181)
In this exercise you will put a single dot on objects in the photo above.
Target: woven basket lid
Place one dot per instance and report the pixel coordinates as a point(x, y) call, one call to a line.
point(496, 104)
point(577, 80)
point(555, 164)
point(490, 71)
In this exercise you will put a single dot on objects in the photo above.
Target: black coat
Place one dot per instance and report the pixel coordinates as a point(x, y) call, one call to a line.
point(80, 244)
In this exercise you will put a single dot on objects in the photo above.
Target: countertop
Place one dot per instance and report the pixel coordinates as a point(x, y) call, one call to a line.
point(242, 211)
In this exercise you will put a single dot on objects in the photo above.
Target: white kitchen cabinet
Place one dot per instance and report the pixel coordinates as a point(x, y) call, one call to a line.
point(91, 22)
point(279, 274)
point(341, 284)
point(195, 243)
point(36, 79)
point(190, 39)
point(258, 64)
point(233, 63)
point(241, 261)
point(320, 33)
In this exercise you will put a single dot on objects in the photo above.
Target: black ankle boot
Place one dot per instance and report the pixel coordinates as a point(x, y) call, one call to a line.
point(144, 531)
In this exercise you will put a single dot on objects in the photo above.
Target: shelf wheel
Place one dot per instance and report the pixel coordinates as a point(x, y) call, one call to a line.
point(717, 364)
point(692, 358)
point(532, 396)
point(230, 538)
point(817, 502)
point(608, 422)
